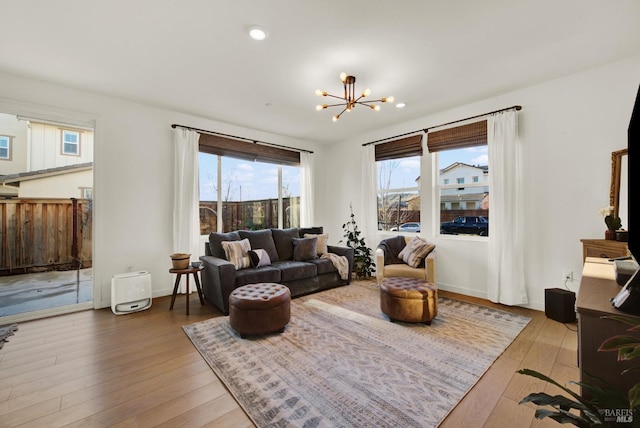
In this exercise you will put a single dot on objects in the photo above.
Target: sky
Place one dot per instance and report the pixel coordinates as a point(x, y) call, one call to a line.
point(244, 180)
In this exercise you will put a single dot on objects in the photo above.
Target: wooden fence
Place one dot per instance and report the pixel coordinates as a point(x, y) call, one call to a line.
point(45, 234)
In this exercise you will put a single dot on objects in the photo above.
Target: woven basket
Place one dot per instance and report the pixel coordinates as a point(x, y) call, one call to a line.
point(180, 260)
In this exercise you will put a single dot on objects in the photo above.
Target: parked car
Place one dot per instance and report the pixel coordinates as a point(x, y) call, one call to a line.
point(468, 225)
point(407, 227)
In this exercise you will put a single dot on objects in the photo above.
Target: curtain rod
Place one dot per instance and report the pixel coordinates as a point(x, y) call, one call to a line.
point(204, 131)
point(425, 130)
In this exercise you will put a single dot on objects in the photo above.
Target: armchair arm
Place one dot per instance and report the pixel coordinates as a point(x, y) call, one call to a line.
point(379, 264)
point(430, 266)
point(218, 281)
point(348, 252)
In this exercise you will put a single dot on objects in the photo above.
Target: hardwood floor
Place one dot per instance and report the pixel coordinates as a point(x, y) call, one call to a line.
point(96, 369)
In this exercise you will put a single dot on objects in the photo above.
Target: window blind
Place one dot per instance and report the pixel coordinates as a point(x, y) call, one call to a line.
point(458, 137)
point(401, 148)
point(223, 146)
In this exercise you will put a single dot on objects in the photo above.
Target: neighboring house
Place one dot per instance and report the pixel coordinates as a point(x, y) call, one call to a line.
point(39, 159)
point(467, 193)
point(73, 181)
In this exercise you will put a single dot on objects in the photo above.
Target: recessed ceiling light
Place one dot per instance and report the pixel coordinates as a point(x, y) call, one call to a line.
point(257, 33)
point(401, 105)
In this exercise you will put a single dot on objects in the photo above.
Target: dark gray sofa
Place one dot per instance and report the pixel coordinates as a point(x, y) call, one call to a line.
point(220, 277)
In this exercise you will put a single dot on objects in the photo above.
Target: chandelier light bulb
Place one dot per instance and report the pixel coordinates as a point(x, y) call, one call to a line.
point(321, 93)
point(387, 100)
point(343, 76)
point(366, 92)
point(335, 118)
point(320, 107)
point(376, 107)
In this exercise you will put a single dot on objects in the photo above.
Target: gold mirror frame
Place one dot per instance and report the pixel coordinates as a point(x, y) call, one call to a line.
point(614, 190)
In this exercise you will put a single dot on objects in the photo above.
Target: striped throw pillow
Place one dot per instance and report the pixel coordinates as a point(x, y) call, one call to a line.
point(237, 253)
point(415, 251)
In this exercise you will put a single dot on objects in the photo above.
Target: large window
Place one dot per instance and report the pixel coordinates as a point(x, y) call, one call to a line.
point(398, 184)
point(249, 193)
point(463, 178)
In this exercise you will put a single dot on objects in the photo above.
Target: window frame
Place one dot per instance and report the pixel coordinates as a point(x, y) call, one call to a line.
point(64, 142)
point(9, 148)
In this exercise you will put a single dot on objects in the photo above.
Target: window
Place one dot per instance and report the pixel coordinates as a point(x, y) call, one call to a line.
point(462, 153)
point(398, 184)
point(5, 147)
point(70, 142)
point(248, 186)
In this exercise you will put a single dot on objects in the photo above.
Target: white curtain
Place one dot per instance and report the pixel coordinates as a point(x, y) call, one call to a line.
point(369, 227)
point(506, 260)
point(186, 197)
point(306, 193)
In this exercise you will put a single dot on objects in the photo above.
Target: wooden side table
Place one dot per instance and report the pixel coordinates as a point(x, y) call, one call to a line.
point(187, 271)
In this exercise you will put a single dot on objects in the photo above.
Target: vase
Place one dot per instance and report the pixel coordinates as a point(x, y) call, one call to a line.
point(610, 235)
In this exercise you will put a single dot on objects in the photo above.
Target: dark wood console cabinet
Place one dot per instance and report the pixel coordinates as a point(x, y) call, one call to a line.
point(597, 288)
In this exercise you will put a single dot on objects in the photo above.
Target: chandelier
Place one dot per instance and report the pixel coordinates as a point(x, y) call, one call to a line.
point(349, 98)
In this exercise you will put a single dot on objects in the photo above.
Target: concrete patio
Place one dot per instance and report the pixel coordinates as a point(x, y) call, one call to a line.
point(45, 290)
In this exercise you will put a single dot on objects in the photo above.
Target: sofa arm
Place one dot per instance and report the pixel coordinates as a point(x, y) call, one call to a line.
point(218, 281)
point(348, 252)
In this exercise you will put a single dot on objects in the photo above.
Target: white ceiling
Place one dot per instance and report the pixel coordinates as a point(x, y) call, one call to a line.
point(195, 56)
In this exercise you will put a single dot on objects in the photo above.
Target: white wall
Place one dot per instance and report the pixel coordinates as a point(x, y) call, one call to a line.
point(133, 173)
point(569, 128)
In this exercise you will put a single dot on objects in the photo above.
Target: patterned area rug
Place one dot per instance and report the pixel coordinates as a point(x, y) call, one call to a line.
point(5, 332)
point(341, 363)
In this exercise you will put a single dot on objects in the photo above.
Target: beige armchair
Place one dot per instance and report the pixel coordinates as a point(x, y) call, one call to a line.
point(426, 270)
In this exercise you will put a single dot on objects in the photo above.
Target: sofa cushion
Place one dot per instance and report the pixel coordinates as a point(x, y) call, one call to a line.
point(293, 270)
point(237, 252)
point(282, 239)
point(261, 239)
point(305, 248)
point(259, 258)
point(254, 276)
point(323, 266)
point(415, 251)
point(323, 238)
point(215, 239)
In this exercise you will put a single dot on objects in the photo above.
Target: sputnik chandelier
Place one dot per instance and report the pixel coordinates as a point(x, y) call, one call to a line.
point(349, 98)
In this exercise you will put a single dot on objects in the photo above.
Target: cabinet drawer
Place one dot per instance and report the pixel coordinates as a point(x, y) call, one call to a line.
point(608, 253)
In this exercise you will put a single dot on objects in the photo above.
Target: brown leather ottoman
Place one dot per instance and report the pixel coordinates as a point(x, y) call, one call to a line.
point(262, 308)
point(409, 299)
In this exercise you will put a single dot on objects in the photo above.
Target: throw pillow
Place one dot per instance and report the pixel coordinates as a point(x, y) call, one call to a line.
point(415, 251)
point(237, 253)
point(322, 242)
point(259, 258)
point(305, 248)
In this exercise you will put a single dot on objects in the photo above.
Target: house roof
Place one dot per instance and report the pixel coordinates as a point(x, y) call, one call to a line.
point(484, 168)
point(43, 173)
point(195, 57)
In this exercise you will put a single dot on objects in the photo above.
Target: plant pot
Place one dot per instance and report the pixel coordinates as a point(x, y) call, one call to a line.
point(610, 235)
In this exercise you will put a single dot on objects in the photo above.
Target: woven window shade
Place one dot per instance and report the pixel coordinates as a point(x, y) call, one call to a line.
point(470, 135)
point(218, 145)
point(401, 148)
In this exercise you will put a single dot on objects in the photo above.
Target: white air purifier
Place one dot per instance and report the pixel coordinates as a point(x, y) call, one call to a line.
point(130, 292)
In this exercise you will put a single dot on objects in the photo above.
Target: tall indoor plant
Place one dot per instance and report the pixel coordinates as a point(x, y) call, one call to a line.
point(363, 264)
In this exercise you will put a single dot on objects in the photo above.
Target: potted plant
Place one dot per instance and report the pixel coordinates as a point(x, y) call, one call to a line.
point(607, 406)
point(613, 223)
point(363, 264)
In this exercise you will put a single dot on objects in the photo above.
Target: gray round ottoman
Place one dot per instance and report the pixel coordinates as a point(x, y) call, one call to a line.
point(256, 309)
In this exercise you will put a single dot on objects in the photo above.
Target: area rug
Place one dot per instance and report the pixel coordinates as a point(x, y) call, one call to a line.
point(5, 332)
point(341, 363)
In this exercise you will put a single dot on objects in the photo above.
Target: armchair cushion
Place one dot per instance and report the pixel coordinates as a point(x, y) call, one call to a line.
point(415, 251)
point(391, 248)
